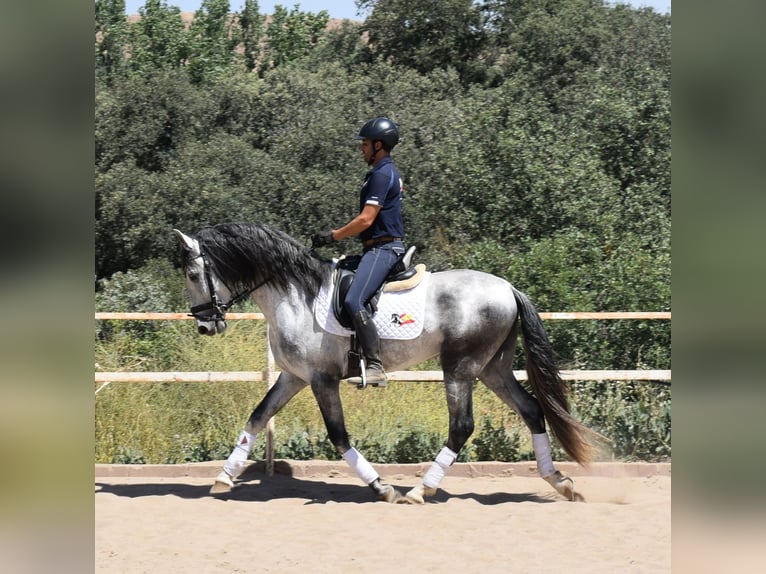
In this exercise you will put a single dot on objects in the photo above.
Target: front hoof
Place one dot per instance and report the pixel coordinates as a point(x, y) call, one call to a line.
point(418, 494)
point(564, 486)
point(223, 484)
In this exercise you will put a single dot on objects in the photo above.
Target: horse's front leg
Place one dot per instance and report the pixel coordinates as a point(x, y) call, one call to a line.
point(460, 405)
point(286, 387)
point(326, 390)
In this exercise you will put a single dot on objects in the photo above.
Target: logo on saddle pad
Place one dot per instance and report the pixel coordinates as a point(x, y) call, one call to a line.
point(402, 319)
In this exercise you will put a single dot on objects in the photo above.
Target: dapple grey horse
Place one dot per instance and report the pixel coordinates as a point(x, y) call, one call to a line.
point(471, 322)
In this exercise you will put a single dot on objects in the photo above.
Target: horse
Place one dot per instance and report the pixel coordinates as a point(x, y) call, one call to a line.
point(471, 321)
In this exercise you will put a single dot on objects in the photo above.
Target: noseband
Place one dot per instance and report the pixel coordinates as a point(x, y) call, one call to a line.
point(218, 307)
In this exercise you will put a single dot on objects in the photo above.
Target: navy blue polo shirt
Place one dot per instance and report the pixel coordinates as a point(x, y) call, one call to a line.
point(383, 186)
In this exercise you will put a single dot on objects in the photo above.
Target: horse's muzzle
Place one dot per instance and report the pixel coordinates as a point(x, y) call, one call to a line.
point(211, 327)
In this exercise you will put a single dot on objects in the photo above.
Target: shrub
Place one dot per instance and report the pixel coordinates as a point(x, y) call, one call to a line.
point(417, 445)
point(495, 443)
point(634, 415)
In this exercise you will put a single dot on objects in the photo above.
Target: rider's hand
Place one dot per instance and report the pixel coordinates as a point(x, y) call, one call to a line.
point(320, 239)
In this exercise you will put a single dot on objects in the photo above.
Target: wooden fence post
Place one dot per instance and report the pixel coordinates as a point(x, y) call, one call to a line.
point(270, 426)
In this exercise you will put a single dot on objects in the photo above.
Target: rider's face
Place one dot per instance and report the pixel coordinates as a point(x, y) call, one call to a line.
point(367, 150)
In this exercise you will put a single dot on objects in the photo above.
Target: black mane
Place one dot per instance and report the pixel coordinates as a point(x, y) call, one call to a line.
point(247, 255)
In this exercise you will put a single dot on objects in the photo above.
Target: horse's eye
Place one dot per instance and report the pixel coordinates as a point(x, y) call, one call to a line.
point(193, 276)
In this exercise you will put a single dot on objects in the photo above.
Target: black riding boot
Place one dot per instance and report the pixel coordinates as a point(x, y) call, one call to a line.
point(368, 339)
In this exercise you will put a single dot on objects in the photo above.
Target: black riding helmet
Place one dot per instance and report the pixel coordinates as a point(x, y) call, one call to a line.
point(381, 128)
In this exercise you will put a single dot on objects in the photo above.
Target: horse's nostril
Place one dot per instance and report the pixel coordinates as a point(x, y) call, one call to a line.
point(202, 330)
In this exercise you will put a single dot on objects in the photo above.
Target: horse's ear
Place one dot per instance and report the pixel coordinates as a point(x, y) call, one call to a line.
point(188, 243)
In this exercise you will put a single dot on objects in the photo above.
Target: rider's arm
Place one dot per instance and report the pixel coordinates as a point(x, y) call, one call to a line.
point(358, 224)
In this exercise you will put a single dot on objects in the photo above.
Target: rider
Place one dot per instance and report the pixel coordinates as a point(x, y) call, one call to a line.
point(380, 228)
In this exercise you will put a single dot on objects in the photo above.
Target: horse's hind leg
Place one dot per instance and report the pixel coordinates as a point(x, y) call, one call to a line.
point(461, 425)
point(326, 390)
point(516, 397)
point(286, 387)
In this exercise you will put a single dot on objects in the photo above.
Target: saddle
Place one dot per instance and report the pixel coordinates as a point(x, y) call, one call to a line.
point(402, 276)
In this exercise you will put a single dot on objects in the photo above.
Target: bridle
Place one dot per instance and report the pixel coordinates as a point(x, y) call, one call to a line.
point(215, 304)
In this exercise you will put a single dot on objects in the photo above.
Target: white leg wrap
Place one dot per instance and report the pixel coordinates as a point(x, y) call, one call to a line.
point(435, 474)
point(542, 445)
point(237, 460)
point(360, 465)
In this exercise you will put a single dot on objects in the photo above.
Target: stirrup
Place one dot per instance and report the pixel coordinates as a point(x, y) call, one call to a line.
point(363, 373)
point(362, 382)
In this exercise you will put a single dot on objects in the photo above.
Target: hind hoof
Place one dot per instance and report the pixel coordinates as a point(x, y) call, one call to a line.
point(223, 484)
point(564, 486)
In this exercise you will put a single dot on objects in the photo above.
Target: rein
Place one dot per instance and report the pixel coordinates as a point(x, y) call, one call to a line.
point(215, 303)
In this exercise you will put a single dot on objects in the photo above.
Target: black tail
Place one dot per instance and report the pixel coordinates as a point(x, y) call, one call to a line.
point(545, 379)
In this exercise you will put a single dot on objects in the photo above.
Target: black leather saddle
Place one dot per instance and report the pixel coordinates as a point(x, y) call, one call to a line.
point(345, 272)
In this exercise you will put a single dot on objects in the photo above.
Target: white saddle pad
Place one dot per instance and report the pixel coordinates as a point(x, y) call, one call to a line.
point(400, 314)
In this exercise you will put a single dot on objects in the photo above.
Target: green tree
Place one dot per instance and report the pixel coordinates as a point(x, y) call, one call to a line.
point(343, 44)
point(213, 39)
point(624, 105)
point(111, 38)
point(291, 35)
point(146, 119)
point(204, 183)
point(551, 40)
point(158, 40)
point(130, 214)
point(425, 34)
point(251, 29)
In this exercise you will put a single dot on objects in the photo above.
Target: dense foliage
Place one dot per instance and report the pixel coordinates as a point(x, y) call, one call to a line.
point(535, 146)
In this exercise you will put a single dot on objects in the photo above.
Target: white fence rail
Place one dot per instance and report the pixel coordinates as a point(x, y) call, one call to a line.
point(405, 376)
